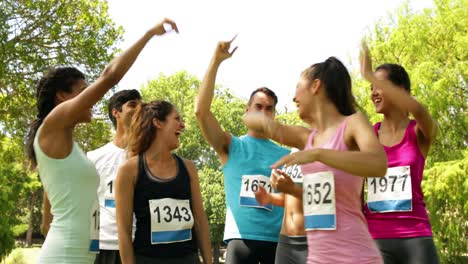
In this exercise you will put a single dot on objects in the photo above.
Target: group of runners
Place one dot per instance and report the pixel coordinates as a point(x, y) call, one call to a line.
point(135, 201)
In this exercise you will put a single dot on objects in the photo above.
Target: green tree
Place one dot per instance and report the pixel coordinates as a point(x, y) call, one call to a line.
point(36, 35)
point(431, 45)
point(446, 189)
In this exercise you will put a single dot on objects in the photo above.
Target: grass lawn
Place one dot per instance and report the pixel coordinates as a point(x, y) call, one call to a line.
point(23, 256)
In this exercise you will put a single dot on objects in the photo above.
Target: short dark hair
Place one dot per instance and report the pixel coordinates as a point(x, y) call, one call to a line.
point(397, 75)
point(266, 91)
point(120, 98)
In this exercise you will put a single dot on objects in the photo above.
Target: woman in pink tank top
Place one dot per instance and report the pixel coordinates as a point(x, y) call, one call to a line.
point(338, 153)
point(395, 208)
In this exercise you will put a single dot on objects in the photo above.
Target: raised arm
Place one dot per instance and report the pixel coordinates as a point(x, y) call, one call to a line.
point(124, 195)
point(277, 131)
point(368, 160)
point(200, 220)
point(211, 129)
point(67, 114)
point(400, 99)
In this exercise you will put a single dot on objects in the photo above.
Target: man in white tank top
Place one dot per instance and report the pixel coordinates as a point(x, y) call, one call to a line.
point(107, 159)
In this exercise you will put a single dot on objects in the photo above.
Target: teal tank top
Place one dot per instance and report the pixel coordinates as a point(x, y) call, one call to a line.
point(71, 185)
point(248, 167)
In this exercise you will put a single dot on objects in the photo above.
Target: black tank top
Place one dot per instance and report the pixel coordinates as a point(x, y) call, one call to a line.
point(148, 189)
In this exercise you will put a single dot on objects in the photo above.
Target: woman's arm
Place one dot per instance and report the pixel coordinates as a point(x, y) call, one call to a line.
point(369, 160)
point(277, 131)
point(66, 114)
point(200, 220)
point(124, 194)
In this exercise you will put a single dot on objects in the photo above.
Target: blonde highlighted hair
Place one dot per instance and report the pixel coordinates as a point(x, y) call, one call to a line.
point(142, 131)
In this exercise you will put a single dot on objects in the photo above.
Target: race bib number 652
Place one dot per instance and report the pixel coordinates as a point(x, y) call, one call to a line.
point(171, 220)
point(319, 201)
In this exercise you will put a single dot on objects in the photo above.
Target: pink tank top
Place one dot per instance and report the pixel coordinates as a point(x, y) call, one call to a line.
point(351, 241)
point(403, 224)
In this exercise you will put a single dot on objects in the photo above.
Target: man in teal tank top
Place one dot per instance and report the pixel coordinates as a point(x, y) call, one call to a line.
point(251, 230)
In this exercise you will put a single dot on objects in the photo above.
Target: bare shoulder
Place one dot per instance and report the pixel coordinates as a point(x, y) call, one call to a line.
point(129, 169)
point(358, 121)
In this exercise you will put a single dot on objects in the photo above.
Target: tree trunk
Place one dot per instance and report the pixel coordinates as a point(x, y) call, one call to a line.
point(30, 221)
point(216, 253)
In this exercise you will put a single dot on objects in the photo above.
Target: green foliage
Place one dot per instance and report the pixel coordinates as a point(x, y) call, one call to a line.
point(14, 183)
point(446, 190)
point(36, 35)
point(212, 188)
point(431, 45)
point(16, 257)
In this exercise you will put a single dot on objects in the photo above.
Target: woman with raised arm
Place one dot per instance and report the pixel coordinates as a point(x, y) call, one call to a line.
point(338, 153)
point(70, 180)
point(162, 190)
point(395, 209)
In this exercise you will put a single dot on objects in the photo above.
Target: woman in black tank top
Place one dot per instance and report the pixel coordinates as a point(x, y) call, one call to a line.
point(163, 192)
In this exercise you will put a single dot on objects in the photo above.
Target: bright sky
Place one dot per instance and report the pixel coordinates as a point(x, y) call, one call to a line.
point(277, 39)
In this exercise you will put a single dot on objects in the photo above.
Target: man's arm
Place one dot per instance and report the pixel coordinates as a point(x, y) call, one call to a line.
point(211, 129)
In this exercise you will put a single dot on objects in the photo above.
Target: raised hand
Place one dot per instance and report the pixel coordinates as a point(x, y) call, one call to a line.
point(300, 157)
point(222, 50)
point(366, 63)
point(262, 196)
point(159, 29)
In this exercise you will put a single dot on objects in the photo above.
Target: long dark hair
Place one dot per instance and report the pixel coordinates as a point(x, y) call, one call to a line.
point(337, 82)
point(142, 132)
point(57, 79)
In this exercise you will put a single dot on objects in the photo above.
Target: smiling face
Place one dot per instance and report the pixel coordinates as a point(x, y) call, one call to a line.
point(381, 106)
point(171, 129)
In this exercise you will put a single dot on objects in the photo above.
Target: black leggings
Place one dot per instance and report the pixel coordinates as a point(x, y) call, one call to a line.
point(291, 250)
point(244, 251)
point(415, 250)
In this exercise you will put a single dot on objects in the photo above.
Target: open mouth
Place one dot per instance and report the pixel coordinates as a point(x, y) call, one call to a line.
point(177, 133)
point(377, 100)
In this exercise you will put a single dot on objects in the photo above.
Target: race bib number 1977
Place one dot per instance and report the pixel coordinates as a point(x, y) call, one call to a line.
point(391, 193)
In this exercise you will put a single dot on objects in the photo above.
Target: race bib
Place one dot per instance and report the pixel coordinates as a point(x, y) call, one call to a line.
point(294, 171)
point(391, 193)
point(171, 220)
point(109, 199)
point(250, 185)
point(319, 201)
point(94, 229)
